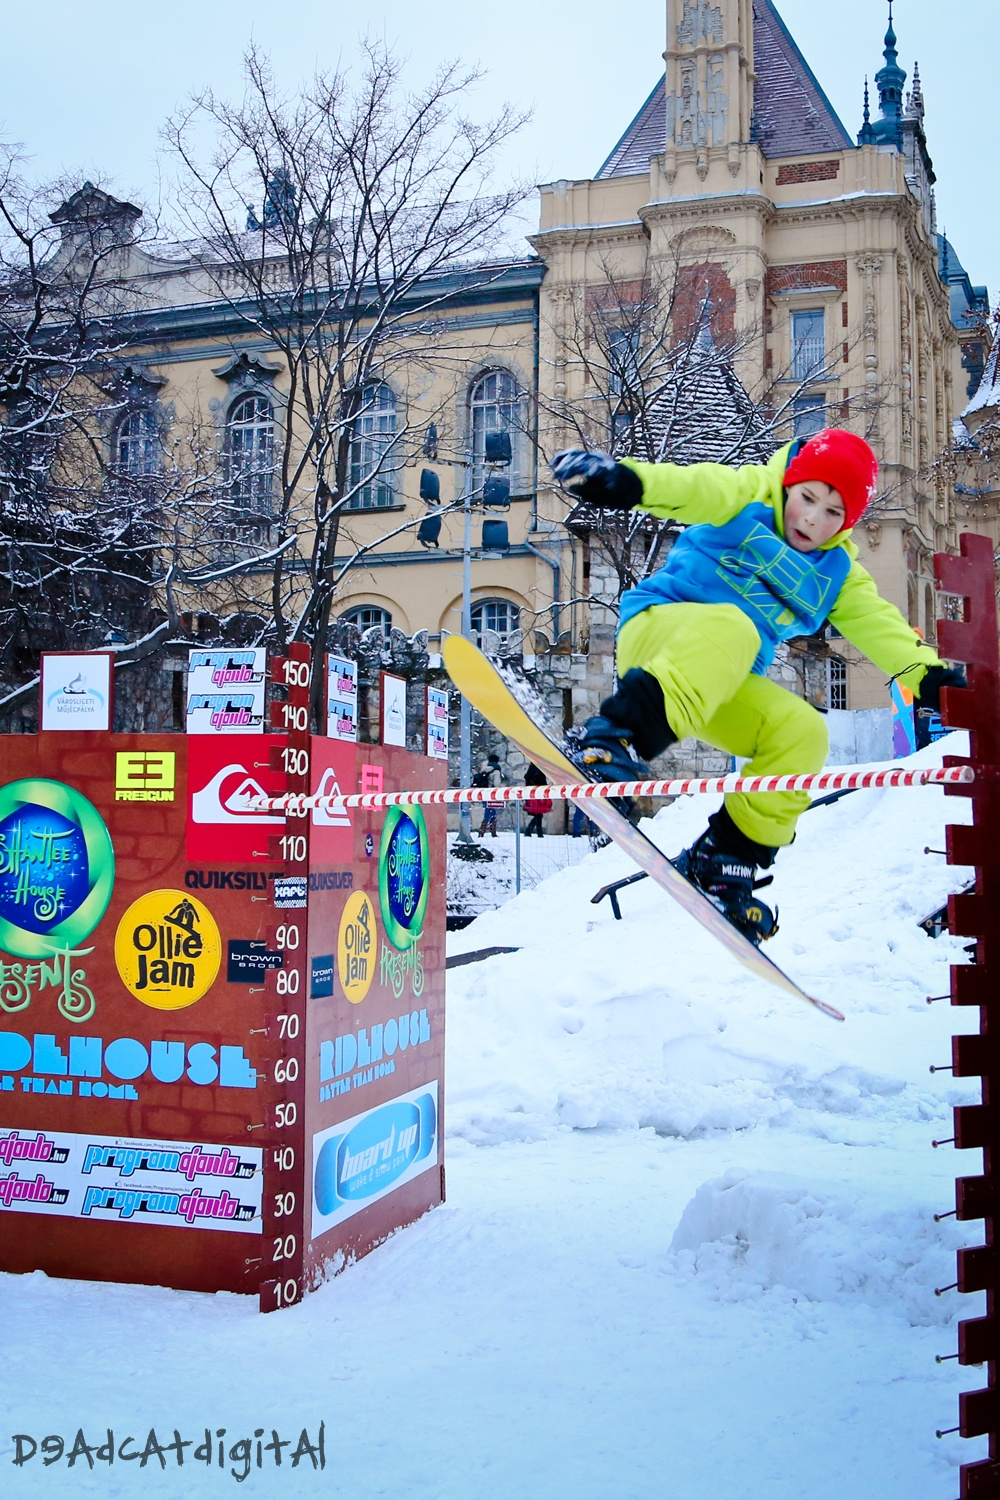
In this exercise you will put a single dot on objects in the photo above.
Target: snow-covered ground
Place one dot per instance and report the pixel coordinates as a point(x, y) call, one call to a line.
point(688, 1249)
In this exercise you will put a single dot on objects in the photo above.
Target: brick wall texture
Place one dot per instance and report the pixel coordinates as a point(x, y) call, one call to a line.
point(807, 171)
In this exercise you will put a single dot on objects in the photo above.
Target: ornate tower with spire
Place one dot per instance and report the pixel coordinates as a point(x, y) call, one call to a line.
point(889, 81)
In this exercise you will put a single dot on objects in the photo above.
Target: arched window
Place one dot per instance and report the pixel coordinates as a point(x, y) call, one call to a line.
point(496, 617)
point(494, 406)
point(136, 443)
point(364, 616)
point(372, 450)
point(250, 439)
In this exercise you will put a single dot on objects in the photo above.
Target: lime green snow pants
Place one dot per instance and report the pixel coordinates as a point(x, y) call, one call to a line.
point(701, 655)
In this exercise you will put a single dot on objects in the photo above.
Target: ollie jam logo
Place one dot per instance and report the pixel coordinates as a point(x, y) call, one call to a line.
point(404, 875)
point(57, 868)
point(168, 949)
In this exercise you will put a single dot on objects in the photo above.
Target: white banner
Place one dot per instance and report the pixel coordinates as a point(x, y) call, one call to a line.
point(76, 690)
point(178, 1184)
point(393, 710)
point(225, 691)
point(342, 699)
point(437, 724)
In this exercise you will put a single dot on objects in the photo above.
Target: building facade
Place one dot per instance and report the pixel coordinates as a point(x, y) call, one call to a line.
point(743, 218)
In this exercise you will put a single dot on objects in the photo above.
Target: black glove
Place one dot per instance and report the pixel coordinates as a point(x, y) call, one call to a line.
point(928, 694)
point(597, 478)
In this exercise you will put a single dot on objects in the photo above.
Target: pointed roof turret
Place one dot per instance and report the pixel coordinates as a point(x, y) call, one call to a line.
point(866, 135)
point(915, 98)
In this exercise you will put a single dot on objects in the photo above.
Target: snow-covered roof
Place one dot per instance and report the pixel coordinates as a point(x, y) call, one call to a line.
point(988, 392)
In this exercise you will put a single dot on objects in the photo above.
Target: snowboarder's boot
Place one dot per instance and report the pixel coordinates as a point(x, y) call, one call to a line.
point(723, 863)
point(631, 727)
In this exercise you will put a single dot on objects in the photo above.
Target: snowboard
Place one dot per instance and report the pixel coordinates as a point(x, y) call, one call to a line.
point(477, 679)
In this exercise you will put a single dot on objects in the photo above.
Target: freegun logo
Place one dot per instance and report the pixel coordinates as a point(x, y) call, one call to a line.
point(240, 1456)
point(145, 776)
point(127, 1202)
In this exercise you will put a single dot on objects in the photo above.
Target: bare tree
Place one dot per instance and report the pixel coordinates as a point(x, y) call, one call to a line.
point(74, 561)
point(370, 210)
point(647, 378)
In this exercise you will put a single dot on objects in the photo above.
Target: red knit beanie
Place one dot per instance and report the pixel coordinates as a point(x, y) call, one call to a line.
point(844, 461)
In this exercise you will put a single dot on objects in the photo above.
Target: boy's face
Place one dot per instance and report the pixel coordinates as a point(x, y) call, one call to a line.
point(814, 512)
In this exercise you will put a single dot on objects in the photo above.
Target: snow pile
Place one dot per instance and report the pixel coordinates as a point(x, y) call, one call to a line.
point(689, 1245)
point(595, 1023)
point(744, 1234)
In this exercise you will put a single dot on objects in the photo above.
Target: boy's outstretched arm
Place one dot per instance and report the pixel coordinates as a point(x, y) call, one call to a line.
point(708, 493)
point(878, 629)
point(693, 493)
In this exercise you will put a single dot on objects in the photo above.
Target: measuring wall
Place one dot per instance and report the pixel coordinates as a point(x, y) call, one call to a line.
point(221, 1033)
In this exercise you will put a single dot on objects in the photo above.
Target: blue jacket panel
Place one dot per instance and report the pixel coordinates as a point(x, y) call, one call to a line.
point(745, 562)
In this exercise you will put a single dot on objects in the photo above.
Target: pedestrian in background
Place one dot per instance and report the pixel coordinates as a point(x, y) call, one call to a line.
point(488, 775)
point(536, 807)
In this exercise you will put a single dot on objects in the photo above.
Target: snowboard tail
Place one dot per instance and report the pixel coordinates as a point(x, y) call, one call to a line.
point(478, 679)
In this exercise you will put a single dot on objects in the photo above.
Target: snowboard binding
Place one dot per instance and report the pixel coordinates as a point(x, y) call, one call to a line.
point(604, 752)
point(728, 882)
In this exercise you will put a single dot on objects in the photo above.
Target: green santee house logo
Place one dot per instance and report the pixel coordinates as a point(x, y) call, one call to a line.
point(57, 868)
point(404, 869)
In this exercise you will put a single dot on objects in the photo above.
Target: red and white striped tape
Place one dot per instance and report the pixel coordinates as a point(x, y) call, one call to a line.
point(822, 781)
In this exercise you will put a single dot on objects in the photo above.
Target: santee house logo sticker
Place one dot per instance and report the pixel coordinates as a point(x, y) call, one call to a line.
point(361, 1160)
point(403, 875)
point(57, 868)
point(168, 949)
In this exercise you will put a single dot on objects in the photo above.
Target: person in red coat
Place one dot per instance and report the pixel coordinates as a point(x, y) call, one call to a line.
point(536, 807)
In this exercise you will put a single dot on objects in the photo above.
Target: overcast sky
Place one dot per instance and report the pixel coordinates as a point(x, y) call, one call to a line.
point(85, 86)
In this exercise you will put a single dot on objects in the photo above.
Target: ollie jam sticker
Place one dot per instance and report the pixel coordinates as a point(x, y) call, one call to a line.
point(168, 949)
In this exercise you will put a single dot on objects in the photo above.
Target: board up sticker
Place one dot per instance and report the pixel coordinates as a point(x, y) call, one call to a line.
point(225, 774)
point(369, 1156)
point(116, 1179)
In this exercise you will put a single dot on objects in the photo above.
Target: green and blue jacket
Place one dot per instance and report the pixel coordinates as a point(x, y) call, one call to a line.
point(734, 552)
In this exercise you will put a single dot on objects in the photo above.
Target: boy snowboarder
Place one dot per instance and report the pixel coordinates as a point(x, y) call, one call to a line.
point(767, 556)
